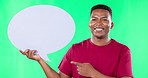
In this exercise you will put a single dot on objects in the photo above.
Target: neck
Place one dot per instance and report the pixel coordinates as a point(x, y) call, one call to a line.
point(101, 41)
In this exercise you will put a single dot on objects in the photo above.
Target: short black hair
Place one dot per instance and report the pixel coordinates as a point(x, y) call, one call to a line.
point(101, 6)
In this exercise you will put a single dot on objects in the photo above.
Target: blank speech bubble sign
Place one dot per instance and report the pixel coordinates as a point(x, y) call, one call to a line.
point(44, 28)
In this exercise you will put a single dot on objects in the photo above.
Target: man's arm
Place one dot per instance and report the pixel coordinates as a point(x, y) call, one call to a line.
point(50, 73)
point(87, 70)
point(126, 77)
point(100, 75)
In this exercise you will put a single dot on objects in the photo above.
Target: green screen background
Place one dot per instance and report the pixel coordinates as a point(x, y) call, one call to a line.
point(131, 28)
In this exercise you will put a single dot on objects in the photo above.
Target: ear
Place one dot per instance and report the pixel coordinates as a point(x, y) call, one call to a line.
point(112, 25)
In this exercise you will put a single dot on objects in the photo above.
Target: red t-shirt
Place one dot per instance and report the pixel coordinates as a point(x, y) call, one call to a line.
point(112, 60)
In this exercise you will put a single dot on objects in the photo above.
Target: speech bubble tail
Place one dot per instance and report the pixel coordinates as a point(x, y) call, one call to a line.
point(45, 58)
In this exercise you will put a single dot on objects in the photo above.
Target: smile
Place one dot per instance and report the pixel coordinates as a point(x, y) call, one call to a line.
point(99, 29)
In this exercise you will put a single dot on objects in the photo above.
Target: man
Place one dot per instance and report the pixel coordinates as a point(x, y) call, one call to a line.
point(97, 57)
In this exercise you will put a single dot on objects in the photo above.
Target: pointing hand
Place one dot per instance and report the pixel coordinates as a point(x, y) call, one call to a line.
point(85, 69)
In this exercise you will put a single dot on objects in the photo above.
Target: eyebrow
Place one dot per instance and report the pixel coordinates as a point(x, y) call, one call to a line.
point(98, 16)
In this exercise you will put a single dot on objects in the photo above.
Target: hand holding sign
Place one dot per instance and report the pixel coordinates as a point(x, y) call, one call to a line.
point(31, 54)
point(43, 28)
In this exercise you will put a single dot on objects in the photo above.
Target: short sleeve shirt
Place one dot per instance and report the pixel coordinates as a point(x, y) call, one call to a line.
point(112, 60)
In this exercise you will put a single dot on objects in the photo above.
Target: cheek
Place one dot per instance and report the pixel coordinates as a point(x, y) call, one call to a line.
point(107, 28)
point(106, 23)
point(91, 25)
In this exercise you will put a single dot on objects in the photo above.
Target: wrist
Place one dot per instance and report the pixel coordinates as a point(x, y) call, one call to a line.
point(40, 60)
point(95, 74)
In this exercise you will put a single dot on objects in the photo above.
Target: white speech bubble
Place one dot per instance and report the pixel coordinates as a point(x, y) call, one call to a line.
point(44, 28)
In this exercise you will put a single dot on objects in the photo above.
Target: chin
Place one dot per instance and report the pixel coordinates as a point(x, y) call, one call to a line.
point(98, 36)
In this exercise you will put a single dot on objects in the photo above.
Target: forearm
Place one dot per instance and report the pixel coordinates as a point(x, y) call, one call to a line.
point(97, 74)
point(50, 73)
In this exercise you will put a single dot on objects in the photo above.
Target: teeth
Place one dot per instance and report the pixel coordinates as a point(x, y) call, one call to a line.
point(99, 29)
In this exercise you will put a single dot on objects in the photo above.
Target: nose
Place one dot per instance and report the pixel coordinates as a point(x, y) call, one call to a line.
point(98, 22)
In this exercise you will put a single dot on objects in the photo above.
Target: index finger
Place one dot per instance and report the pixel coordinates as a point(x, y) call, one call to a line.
point(76, 63)
point(24, 52)
point(21, 52)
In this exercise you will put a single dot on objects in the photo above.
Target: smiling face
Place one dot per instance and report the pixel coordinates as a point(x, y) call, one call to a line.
point(100, 23)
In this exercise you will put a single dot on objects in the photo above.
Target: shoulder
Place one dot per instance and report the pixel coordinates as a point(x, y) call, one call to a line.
point(81, 44)
point(124, 49)
point(77, 47)
point(120, 45)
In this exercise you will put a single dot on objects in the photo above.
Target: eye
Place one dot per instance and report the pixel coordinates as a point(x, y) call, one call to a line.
point(93, 19)
point(105, 19)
